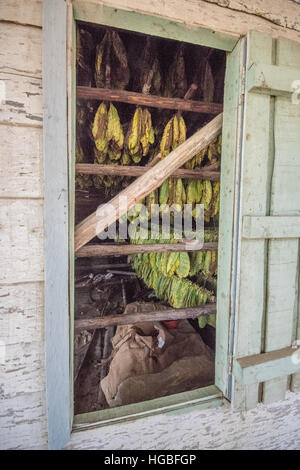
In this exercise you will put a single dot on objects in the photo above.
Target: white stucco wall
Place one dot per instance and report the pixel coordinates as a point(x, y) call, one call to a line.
point(275, 426)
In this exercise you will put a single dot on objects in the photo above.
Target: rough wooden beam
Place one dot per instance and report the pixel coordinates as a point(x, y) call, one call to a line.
point(152, 101)
point(126, 170)
point(115, 249)
point(145, 184)
point(131, 318)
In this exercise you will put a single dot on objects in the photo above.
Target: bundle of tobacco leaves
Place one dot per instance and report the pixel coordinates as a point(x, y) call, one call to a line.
point(147, 74)
point(84, 113)
point(84, 57)
point(111, 64)
point(176, 82)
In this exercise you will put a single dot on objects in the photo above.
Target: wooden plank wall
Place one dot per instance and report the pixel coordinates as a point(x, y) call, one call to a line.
point(268, 295)
point(22, 404)
point(254, 201)
point(283, 254)
point(235, 17)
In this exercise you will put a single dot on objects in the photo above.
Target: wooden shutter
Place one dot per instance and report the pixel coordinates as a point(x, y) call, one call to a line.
point(266, 320)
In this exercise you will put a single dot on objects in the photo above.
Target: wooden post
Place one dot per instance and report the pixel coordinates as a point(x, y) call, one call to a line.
point(145, 184)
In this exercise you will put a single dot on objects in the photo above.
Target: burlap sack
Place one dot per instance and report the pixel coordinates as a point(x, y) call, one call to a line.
point(150, 348)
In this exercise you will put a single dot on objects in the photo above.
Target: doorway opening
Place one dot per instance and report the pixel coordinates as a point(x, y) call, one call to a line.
point(117, 137)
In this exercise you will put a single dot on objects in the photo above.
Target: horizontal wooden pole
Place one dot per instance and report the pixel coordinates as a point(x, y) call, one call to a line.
point(272, 79)
point(131, 318)
point(126, 170)
point(271, 226)
point(117, 249)
point(266, 366)
point(153, 101)
point(97, 222)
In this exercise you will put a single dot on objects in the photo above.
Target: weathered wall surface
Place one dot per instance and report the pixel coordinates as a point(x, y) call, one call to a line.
point(22, 383)
point(237, 17)
point(265, 427)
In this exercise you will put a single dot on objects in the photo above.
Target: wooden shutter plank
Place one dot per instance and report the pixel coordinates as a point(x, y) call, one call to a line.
point(271, 227)
point(230, 153)
point(272, 79)
point(256, 174)
point(295, 382)
point(282, 275)
point(283, 254)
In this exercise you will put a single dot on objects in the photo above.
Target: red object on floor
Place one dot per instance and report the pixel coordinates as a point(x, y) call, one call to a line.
point(171, 324)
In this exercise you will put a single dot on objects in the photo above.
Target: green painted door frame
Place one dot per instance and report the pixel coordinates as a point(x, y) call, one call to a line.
point(59, 22)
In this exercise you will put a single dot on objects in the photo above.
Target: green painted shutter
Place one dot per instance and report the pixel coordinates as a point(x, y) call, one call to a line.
point(231, 139)
point(265, 319)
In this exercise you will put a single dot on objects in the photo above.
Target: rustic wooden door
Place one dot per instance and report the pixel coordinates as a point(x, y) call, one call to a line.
point(264, 305)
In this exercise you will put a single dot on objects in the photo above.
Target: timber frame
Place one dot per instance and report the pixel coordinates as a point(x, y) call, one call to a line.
point(59, 34)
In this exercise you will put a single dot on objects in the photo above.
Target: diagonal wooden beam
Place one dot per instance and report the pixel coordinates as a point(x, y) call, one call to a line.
point(145, 184)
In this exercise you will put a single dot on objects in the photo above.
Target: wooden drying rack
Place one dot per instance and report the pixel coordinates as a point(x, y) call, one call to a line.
point(143, 99)
point(84, 230)
point(118, 249)
point(159, 315)
point(126, 170)
point(151, 101)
